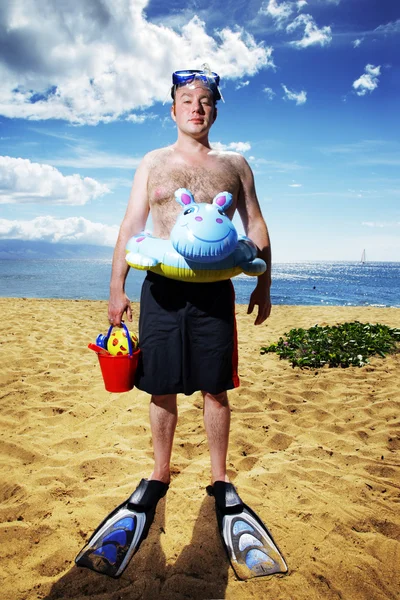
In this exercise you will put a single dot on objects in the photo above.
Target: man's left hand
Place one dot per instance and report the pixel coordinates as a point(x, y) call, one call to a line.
point(260, 297)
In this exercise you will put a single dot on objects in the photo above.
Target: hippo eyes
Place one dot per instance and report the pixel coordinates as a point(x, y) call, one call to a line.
point(192, 209)
point(221, 212)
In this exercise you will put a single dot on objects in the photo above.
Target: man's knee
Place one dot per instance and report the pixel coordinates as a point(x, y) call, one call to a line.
point(164, 400)
point(217, 399)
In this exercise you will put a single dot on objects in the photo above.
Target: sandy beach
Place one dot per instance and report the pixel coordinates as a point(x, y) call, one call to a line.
point(314, 453)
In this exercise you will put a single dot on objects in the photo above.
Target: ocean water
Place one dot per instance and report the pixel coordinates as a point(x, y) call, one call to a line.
point(306, 283)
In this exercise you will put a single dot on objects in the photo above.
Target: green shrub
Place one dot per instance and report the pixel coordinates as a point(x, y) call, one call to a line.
point(337, 346)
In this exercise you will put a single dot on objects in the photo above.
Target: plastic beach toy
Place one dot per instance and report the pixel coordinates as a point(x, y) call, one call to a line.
point(203, 245)
point(118, 342)
point(118, 370)
point(98, 349)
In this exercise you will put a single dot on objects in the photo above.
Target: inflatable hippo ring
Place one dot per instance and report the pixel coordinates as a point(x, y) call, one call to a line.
point(203, 246)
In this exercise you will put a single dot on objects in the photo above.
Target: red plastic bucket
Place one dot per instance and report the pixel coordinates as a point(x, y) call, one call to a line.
point(119, 371)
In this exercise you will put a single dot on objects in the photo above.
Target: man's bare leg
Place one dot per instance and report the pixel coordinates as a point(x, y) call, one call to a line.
point(217, 417)
point(163, 419)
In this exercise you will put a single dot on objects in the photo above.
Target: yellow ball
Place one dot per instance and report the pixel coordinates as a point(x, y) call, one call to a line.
point(117, 344)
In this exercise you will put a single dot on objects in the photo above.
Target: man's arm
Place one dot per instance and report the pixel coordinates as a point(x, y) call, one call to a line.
point(256, 229)
point(134, 221)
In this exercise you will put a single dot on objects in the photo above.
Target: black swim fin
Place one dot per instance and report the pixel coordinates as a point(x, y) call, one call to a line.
point(119, 536)
point(248, 543)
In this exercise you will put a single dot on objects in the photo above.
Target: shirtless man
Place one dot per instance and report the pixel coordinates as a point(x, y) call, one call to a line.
point(190, 163)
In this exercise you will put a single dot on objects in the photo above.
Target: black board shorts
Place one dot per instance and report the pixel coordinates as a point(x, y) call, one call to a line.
point(187, 337)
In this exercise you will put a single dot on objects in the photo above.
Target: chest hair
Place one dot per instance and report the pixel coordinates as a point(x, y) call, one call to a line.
point(204, 182)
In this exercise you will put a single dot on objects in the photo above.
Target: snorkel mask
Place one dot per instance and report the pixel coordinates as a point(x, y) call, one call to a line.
point(190, 77)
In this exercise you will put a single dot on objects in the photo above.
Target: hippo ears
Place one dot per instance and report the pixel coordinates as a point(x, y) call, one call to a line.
point(184, 197)
point(223, 200)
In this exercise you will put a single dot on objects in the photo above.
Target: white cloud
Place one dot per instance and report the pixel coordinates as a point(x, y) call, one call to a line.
point(93, 62)
point(384, 160)
point(140, 119)
point(83, 157)
point(369, 153)
point(301, 4)
point(269, 93)
point(368, 82)
point(279, 12)
point(295, 185)
point(358, 42)
point(117, 182)
point(23, 181)
point(242, 84)
point(84, 154)
point(390, 28)
point(274, 165)
point(361, 147)
point(74, 230)
point(381, 224)
point(312, 34)
point(299, 97)
point(232, 147)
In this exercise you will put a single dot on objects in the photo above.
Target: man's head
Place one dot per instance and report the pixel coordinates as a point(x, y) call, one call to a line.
point(195, 94)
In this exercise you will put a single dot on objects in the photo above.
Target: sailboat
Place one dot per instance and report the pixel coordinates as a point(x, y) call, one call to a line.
point(363, 258)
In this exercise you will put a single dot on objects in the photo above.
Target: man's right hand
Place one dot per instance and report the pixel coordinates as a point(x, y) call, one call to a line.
point(117, 306)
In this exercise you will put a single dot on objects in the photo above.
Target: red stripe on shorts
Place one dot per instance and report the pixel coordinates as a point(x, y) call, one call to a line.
point(235, 353)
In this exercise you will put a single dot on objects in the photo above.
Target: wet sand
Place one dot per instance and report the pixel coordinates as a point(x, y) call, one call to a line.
point(315, 454)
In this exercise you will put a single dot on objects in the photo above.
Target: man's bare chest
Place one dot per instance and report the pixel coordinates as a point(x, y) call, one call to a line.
point(203, 181)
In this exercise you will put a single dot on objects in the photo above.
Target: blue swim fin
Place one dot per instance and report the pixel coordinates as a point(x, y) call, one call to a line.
point(119, 536)
point(251, 550)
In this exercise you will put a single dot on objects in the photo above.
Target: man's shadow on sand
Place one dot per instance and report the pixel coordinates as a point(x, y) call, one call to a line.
point(200, 572)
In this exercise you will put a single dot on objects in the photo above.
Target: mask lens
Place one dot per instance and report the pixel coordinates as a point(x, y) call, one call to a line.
point(183, 77)
point(206, 77)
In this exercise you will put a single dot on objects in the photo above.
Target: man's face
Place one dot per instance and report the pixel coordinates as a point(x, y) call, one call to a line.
point(194, 110)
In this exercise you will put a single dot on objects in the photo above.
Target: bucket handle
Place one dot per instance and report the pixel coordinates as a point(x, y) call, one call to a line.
point(127, 336)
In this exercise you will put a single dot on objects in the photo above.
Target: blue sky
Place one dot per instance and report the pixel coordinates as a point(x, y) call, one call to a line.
point(311, 91)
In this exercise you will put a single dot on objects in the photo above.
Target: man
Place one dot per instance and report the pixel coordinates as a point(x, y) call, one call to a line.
point(172, 310)
point(187, 335)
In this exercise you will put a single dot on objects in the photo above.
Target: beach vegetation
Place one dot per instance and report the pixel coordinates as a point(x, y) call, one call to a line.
point(344, 345)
